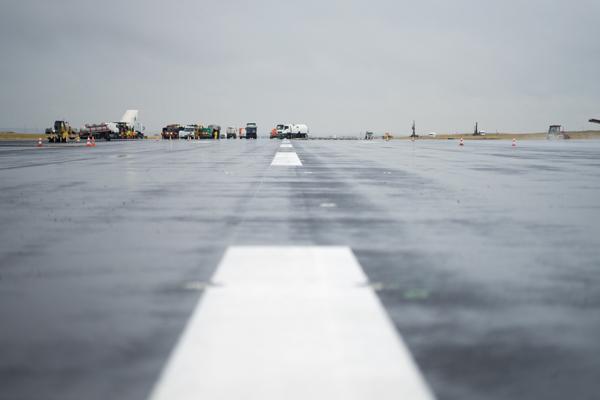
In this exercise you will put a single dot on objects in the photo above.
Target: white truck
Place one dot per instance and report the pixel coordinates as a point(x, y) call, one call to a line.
point(231, 132)
point(292, 131)
point(188, 132)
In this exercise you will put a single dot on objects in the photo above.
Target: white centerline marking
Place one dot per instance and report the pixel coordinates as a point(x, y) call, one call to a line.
point(290, 323)
point(286, 159)
point(286, 146)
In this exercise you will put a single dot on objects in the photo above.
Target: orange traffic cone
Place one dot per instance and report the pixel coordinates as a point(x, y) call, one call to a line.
point(39, 144)
point(462, 142)
point(514, 142)
point(89, 142)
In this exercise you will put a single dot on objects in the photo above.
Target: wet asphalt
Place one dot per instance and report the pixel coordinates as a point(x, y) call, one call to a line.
point(485, 257)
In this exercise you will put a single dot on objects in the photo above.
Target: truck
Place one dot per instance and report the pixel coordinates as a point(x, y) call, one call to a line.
point(171, 131)
point(231, 132)
point(61, 132)
point(100, 131)
point(251, 130)
point(127, 128)
point(292, 131)
point(208, 132)
point(190, 131)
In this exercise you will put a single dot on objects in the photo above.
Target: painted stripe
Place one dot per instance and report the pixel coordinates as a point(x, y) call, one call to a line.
point(286, 145)
point(290, 323)
point(286, 159)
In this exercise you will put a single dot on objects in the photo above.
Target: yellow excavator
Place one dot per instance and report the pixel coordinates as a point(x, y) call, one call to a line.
point(62, 132)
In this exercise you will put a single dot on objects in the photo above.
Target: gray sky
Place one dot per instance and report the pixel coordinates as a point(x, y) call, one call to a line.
point(341, 67)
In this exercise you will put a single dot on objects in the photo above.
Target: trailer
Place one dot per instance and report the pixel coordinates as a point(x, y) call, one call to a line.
point(101, 131)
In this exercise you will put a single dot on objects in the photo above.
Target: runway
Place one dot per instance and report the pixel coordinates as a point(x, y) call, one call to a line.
point(483, 259)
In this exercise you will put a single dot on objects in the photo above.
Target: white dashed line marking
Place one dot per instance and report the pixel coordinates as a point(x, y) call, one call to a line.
point(290, 323)
point(286, 159)
point(286, 146)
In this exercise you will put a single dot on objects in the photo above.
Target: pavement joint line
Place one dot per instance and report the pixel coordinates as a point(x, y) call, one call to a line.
point(286, 159)
point(291, 322)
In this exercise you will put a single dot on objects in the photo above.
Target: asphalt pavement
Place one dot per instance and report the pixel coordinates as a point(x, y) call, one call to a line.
point(485, 257)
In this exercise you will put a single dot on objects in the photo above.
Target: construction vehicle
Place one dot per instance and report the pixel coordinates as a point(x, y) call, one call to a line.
point(251, 131)
point(127, 128)
point(292, 131)
point(231, 132)
point(61, 132)
point(171, 131)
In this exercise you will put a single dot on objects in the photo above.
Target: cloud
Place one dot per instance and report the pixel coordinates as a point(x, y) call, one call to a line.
point(339, 66)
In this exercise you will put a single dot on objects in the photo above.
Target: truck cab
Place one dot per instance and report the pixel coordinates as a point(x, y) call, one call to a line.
point(292, 131)
point(188, 132)
point(231, 132)
point(251, 130)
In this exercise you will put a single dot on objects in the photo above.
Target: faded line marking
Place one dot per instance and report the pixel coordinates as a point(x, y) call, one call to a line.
point(290, 323)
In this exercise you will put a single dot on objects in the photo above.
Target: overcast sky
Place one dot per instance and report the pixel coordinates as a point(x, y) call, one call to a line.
point(341, 67)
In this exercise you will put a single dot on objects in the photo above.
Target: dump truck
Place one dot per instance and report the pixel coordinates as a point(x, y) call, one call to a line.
point(61, 132)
